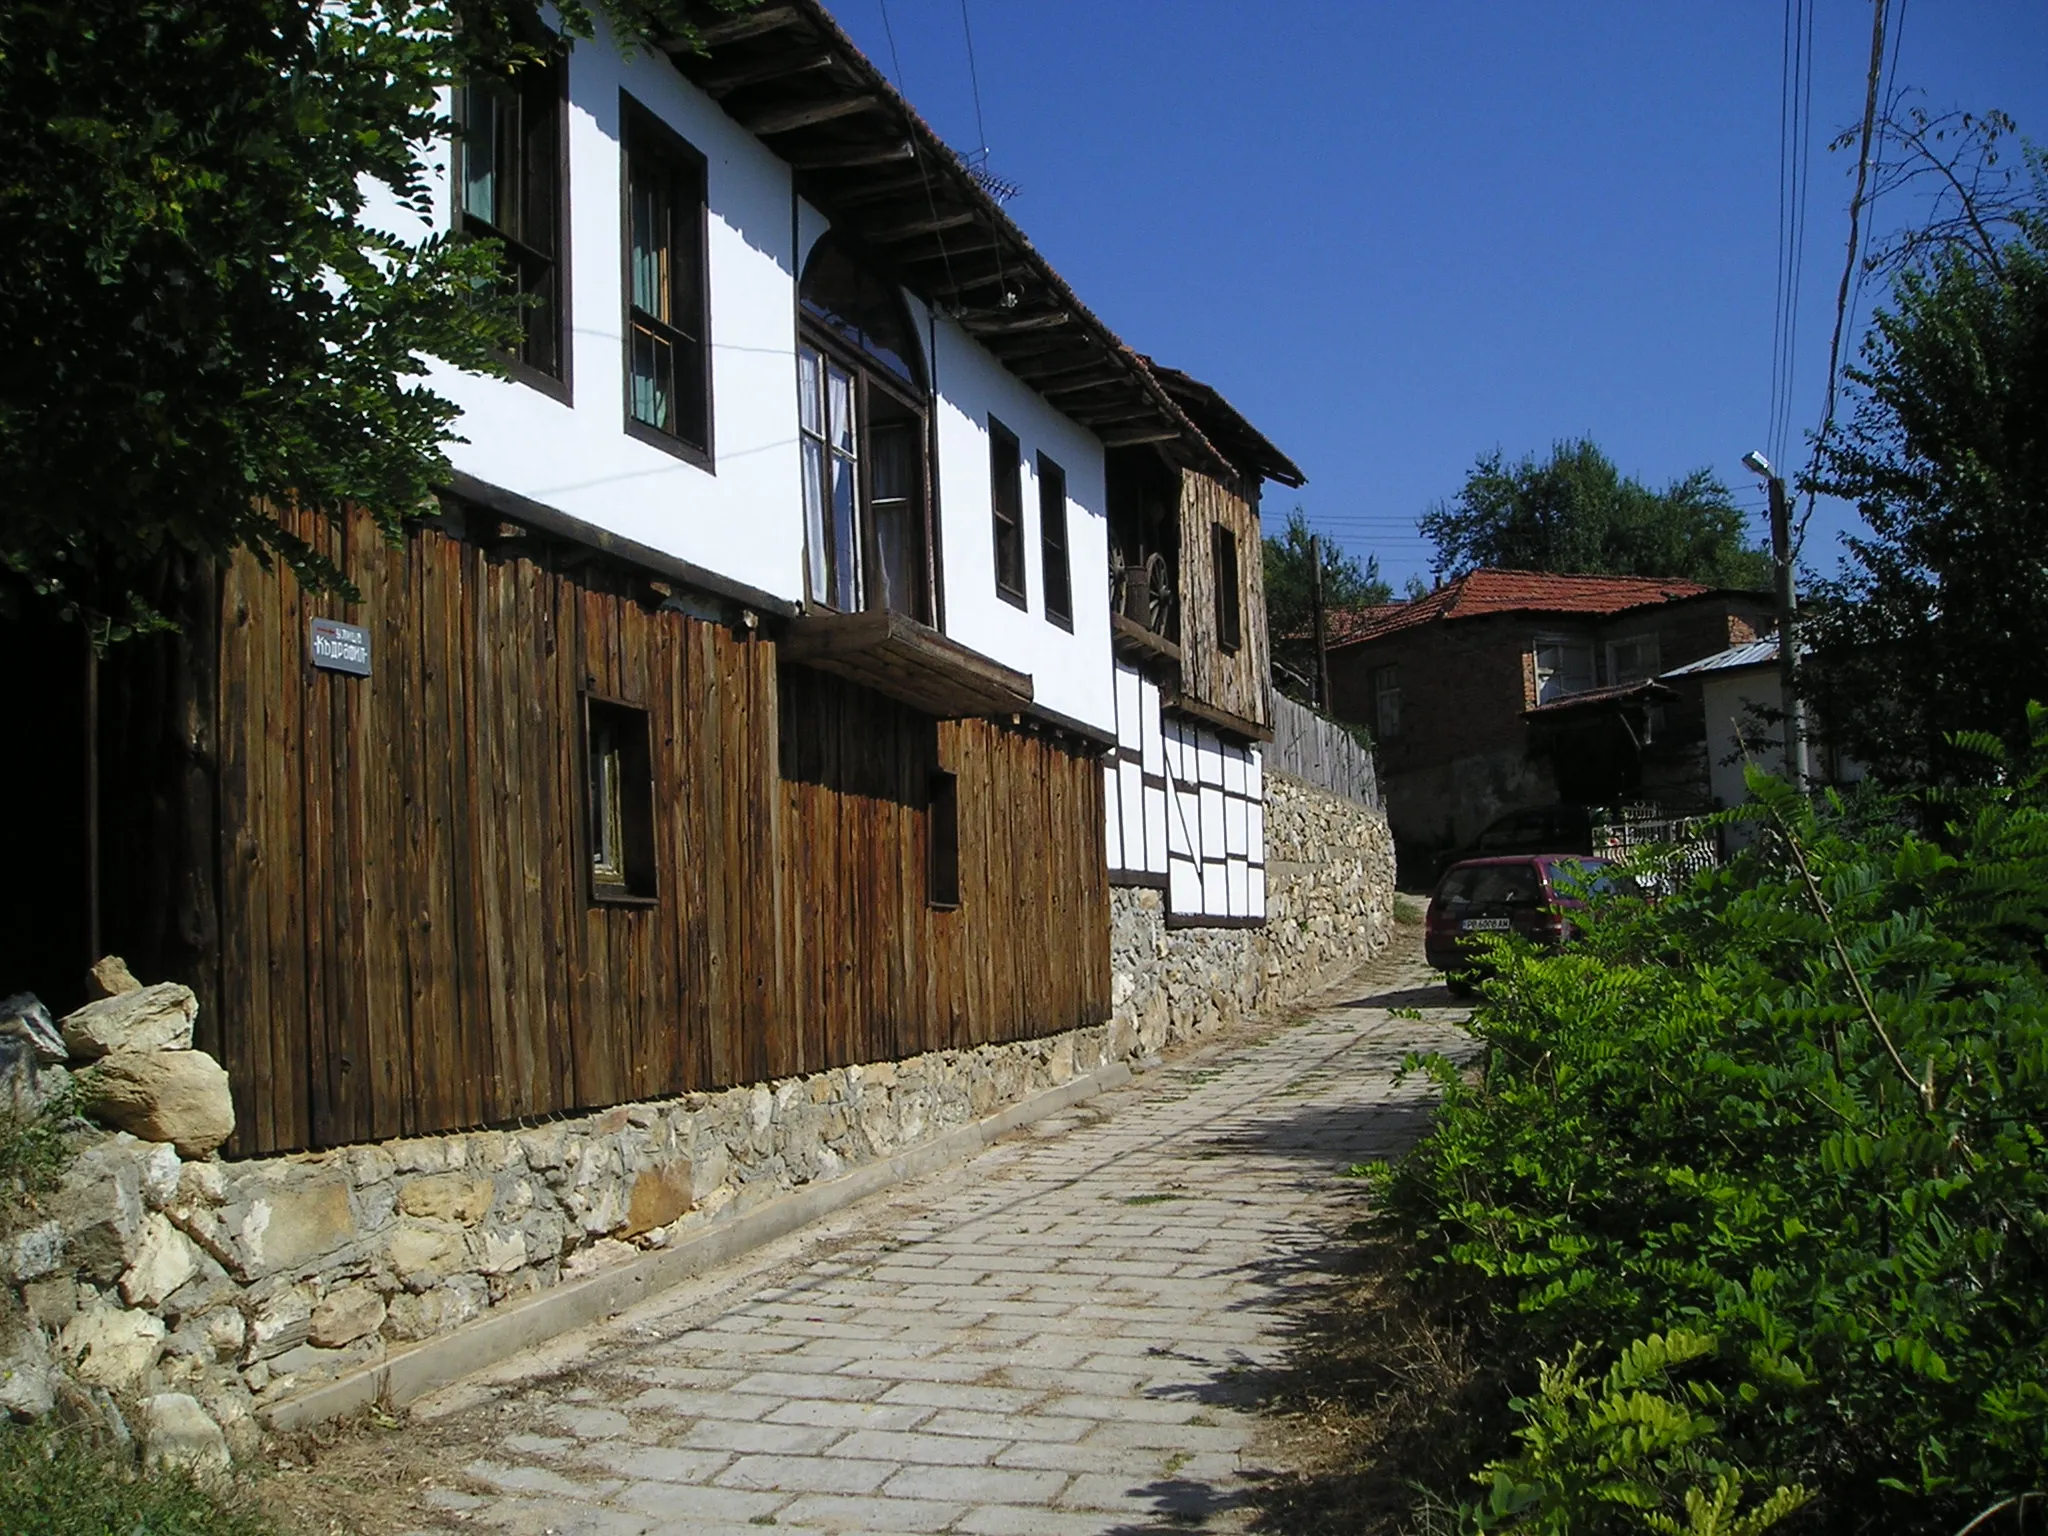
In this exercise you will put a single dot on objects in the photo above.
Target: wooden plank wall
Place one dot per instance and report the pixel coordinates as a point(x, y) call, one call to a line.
point(1238, 684)
point(408, 943)
point(1316, 748)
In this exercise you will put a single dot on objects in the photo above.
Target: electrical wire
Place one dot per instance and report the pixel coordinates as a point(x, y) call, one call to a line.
point(924, 174)
point(1879, 8)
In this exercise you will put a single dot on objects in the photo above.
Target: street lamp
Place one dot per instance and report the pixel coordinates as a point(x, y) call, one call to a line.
point(1788, 609)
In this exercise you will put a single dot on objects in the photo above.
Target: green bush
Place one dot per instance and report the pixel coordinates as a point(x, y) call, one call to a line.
point(1799, 1109)
point(53, 1485)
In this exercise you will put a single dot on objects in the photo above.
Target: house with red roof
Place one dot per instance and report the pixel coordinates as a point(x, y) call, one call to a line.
point(1504, 689)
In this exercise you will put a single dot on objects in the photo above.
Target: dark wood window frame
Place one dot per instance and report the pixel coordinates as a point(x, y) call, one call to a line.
point(1229, 588)
point(1055, 564)
point(645, 138)
point(1006, 513)
point(942, 841)
point(547, 86)
point(618, 802)
point(869, 380)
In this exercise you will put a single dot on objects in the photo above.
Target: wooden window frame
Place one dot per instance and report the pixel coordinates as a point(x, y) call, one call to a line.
point(1006, 485)
point(629, 770)
point(644, 135)
point(1386, 680)
point(868, 379)
point(1549, 641)
point(556, 382)
point(1223, 561)
point(942, 841)
point(1056, 572)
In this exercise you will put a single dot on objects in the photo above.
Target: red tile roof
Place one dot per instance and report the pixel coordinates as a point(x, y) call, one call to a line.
point(1485, 592)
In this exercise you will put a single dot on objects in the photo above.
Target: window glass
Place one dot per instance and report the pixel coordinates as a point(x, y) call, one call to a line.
point(942, 829)
point(1632, 661)
point(618, 800)
point(1563, 667)
point(1052, 539)
point(864, 444)
point(509, 189)
point(667, 361)
point(1491, 885)
point(1006, 501)
point(1386, 692)
point(841, 294)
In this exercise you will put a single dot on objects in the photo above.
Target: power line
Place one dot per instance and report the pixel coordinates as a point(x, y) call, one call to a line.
point(1878, 11)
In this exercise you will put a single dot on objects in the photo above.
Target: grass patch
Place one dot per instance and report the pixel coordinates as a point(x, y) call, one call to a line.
point(1159, 1199)
point(1408, 911)
point(52, 1484)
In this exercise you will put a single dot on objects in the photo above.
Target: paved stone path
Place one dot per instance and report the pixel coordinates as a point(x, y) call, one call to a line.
point(1060, 1336)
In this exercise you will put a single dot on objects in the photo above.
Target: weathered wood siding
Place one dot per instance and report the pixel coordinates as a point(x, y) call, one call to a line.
point(1236, 684)
point(408, 942)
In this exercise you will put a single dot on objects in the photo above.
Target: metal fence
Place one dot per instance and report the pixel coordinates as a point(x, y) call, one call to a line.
point(1310, 747)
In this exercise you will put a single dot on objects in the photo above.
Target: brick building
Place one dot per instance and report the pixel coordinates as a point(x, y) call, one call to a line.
point(1512, 688)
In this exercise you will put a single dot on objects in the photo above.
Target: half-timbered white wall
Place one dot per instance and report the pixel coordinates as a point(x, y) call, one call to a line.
point(1184, 807)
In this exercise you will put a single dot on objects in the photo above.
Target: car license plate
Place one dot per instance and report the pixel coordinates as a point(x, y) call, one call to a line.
point(1484, 925)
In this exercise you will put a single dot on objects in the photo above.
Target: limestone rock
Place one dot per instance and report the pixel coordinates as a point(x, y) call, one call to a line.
point(110, 977)
point(155, 1018)
point(160, 1172)
point(164, 1261)
point(112, 1347)
point(425, 1250)
point(284, 1223)
point(53, 1302)
point(345, 1315)
point(447, 1197)
point(660, 1196)
point(98, 1202)
point(25, 1385)
point(176, 1096)
point(280, 1323)
point(32, 1253)
point(178, 1433)
point(24, 1018)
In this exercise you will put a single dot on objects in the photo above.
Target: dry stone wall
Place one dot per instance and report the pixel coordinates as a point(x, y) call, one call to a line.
point(165, 1292)
point(1329, 909)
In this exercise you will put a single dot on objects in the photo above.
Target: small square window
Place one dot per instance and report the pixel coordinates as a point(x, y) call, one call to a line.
point(1229, 607)
point(1386, 702)
point(1052, 539)
point(619, 799)
point(942, 862)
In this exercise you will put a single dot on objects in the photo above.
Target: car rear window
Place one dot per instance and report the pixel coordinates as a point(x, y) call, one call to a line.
point(1485, 885)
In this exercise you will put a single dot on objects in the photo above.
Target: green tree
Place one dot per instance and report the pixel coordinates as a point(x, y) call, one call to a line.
point(1576, 512)
point(1290, 619)
point(194, 316)
point(1938, 620)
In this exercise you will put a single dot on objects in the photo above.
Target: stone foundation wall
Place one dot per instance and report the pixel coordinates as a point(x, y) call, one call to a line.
point(179, 1296)
point(1329, 909)
point(149, 1289)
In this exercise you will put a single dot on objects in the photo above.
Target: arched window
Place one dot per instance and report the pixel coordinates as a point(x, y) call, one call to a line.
point(861, 408)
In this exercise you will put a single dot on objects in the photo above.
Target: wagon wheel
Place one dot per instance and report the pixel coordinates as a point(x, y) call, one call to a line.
point(1119, 579)
point(1158, 593)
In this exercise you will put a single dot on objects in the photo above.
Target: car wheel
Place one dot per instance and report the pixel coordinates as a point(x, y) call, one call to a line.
point(1458, 986)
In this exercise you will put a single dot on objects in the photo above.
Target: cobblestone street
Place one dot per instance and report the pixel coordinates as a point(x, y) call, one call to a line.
point(1064, 1335)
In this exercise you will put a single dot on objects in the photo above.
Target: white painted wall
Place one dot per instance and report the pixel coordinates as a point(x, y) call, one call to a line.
point(743, 516)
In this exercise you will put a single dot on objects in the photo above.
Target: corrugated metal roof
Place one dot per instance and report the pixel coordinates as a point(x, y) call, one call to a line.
point(1751, 653)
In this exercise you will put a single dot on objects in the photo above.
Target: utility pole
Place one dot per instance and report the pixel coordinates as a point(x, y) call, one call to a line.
point(1315, 599)
point(1788, 612)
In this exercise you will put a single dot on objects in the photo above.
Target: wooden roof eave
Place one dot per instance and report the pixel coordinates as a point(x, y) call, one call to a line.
point(908, 661)
point(826, 109)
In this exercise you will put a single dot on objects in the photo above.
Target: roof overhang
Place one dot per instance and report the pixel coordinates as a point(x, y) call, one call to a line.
point(1599, 701)
point(787, 73)
point(908, 661)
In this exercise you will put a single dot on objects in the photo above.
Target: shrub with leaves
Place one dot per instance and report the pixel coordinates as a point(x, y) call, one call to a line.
point(1800, 1105)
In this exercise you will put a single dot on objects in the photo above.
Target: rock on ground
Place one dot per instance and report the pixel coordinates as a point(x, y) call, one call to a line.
point(177, 1096)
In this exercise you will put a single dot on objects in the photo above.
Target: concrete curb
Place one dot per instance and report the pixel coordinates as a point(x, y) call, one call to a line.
point(505, 1331)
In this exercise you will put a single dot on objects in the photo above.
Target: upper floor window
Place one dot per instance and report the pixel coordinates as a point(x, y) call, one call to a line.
point(861, 419)
point(1229, 602)
point(1006, 507)
point(1052, 539)
point(1632, 661)
point(509, 185)
point(1563, 666)
point(667, 319)
point(1386, 702)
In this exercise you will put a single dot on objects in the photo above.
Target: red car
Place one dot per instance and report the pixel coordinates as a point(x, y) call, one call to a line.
point(1527, 893)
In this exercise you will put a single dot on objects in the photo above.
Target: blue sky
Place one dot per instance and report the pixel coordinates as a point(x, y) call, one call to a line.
point(1398, 235)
